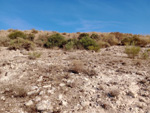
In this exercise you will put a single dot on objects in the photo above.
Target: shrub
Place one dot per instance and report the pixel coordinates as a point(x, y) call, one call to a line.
point(132, 51)
point(83, 35)
point(55, 40)
point(94, 36)
point(20, 43)
point(34, 55)
point(17, 34)
point(87, 41)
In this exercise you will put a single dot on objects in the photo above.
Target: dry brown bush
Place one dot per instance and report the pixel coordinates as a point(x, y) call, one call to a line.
point(13, 90)
point(78, 67)
point(111, 39)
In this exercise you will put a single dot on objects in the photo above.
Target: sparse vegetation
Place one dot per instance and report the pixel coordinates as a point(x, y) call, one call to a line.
point(132, 51)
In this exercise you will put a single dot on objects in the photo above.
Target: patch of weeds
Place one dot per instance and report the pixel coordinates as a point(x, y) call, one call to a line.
point(132, 51)
point(34, 55)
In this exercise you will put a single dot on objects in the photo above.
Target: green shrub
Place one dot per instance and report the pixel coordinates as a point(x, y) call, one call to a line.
point(94, 36)
point(83, 35)
point(20, 43)
point(132, 51)
point(87, 41)
point(55, 40)
point(17, 34)
point(34, 55)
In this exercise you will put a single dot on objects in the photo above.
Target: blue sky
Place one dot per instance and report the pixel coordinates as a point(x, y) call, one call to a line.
point(126, 16)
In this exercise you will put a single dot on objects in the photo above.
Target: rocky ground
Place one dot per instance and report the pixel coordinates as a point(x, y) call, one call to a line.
point(74, 82)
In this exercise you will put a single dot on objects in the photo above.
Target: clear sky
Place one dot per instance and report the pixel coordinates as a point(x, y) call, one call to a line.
point(127, 16)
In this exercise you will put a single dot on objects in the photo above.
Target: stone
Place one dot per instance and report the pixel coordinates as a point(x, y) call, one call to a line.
point(44, 105)
point(29, 103)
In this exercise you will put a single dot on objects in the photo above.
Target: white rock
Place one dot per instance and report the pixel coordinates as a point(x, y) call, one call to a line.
point(47, 86)
point(64, 103)
point(61, 84)
point(40, 79)
point(29, 103)
point(3, 98)
point(33, 92)
point(37, 99)
point(44, 105)
point(60, 97)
